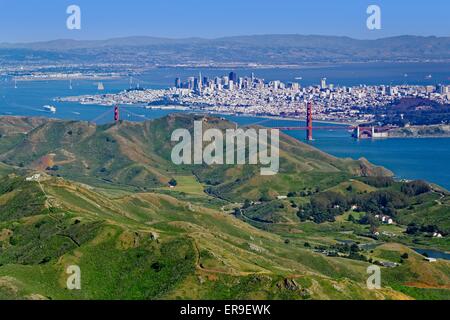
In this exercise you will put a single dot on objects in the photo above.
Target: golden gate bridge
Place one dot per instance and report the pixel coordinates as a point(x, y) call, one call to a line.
point(358, 131)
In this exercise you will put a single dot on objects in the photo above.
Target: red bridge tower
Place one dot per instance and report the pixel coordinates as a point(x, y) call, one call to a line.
point(116, 114)
point(309, 122)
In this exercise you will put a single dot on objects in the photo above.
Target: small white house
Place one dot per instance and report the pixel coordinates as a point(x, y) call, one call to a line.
point(437, 235)
point(385, 219)
point(34, 177)
point(430, 259)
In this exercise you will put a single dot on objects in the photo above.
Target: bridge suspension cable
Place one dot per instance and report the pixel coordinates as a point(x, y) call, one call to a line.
point(103, 115)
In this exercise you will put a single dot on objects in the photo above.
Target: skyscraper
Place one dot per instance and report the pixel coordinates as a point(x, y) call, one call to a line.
point(240, 83)
point(441, 89)
point(233, 77)
point(191, 82)
point(197, 85)
point(200, 79)
point(231, 85)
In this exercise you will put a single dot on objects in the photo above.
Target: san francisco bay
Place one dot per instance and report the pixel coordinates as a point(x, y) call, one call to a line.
point(426, 158)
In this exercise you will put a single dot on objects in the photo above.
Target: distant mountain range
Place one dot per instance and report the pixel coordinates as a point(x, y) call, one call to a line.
point(257, 49)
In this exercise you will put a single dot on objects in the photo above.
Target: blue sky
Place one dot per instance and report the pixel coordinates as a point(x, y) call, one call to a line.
point(36, 20)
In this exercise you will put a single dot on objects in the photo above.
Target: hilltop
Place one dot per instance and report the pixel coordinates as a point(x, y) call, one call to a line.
point(98, 197)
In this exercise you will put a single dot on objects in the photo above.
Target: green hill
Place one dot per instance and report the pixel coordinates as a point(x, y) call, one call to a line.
point(153, 246)
point(100, 200)
point(138, 155)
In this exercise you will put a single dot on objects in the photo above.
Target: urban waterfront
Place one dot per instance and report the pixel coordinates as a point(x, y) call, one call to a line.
point(425, 158)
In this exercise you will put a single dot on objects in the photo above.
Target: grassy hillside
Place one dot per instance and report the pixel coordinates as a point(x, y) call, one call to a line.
point(102, 202)
point(138, 155)
point(153, 246)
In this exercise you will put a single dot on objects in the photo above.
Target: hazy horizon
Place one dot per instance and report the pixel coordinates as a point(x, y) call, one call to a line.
point(224, 37)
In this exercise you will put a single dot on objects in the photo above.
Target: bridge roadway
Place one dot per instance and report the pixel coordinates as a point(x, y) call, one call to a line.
point(331, 128)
